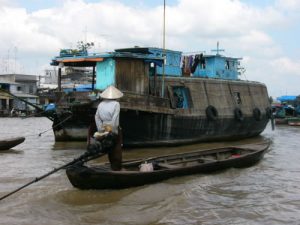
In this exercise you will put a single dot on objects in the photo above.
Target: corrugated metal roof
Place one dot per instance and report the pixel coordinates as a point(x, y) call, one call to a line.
point(19, 77)
point(26, 77)
point(24, 95)
point(7, 82)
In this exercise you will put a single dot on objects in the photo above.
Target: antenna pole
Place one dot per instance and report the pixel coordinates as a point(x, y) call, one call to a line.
point(85, 34)
point(164, 51)
point(15, 59)
point(218, 50)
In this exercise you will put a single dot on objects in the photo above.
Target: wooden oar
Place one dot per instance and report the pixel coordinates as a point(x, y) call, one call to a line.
point(87, 156)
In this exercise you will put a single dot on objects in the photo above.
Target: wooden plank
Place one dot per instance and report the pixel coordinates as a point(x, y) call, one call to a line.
point(168, 166)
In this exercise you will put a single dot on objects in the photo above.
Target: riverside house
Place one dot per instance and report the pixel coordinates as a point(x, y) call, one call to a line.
point(22, 86)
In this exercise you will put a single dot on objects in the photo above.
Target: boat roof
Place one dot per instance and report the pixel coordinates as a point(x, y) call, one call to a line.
point(151, 54)
point(222, 56)
point(146, 50)
point(92, 59)
point(151, 50)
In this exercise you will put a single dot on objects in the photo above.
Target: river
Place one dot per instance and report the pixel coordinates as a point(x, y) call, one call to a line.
point(267, 193)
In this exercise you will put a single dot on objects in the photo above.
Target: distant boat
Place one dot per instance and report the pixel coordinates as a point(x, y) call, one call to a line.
point(293, 121)
point(165, 167)
point(11, 142)
point(280, 121)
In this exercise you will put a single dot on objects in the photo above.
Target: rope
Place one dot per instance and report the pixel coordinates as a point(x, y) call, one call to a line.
point(40, 134)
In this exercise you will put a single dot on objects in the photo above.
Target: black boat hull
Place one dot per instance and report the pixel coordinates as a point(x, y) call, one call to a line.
point(148, 129)
point(213, 114)
point(10, 143)
point(84, 177)
point(145, 129)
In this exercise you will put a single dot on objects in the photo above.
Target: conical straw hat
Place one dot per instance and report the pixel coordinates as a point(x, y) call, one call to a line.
point(111, 93)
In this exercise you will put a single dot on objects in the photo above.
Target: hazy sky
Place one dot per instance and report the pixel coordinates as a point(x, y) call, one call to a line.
point(265, 33)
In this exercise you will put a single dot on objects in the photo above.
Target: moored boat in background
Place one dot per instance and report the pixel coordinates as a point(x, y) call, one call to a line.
point(280, 121)
point(287, 112)
point(293, 121)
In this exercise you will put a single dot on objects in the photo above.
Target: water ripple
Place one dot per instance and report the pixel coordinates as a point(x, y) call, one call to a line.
point(267, 193)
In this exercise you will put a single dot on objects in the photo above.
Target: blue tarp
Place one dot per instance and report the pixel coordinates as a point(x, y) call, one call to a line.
point(79, 88)
point(50, 107)
point(287, 98)
point(84, 87)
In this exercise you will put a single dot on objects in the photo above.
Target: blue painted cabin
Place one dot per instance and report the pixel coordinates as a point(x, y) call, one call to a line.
point(218, 66)
point(132, 67)
point(209, 66)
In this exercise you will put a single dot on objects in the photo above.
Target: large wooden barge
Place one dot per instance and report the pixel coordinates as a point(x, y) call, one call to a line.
point(169, 98)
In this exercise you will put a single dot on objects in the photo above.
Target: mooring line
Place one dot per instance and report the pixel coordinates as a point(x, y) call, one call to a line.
point(40, 134)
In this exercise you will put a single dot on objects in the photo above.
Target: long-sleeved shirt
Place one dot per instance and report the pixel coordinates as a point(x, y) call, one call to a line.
point(108, 113)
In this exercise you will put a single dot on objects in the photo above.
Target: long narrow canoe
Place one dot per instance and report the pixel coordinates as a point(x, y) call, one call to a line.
point(293, 121)
point(11, 142)
point(165, 167)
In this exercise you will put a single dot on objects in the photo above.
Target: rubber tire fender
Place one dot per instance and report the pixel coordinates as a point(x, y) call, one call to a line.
point(257, 114)
point(211, 113)
point(238, 114)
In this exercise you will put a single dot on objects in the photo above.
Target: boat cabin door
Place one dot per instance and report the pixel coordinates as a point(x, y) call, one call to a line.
point(105, 74)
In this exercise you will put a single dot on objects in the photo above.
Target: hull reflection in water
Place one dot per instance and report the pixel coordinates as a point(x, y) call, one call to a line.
point(165, 167)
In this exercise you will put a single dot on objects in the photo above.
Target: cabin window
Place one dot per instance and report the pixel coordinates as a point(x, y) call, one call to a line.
point(19, 88)
point(202, 63)
point(237, 98)
point(227, 65)
point(152, 69)
point(180, 97)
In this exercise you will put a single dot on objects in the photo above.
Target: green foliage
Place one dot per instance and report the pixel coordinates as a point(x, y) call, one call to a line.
point(82, 49)
point(84, 46)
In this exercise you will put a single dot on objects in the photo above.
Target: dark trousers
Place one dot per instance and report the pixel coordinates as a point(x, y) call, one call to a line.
point(115, 154)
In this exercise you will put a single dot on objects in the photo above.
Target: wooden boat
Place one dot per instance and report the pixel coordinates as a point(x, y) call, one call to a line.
point(10, 143)
point(293, 121)
point(165, 167)
point(163, 107)
point(281, 121)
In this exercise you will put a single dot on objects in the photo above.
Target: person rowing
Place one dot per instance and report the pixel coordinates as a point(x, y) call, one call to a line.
point(107, 121)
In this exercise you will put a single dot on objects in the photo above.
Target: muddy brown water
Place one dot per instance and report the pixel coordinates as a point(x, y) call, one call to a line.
point(267, 193)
